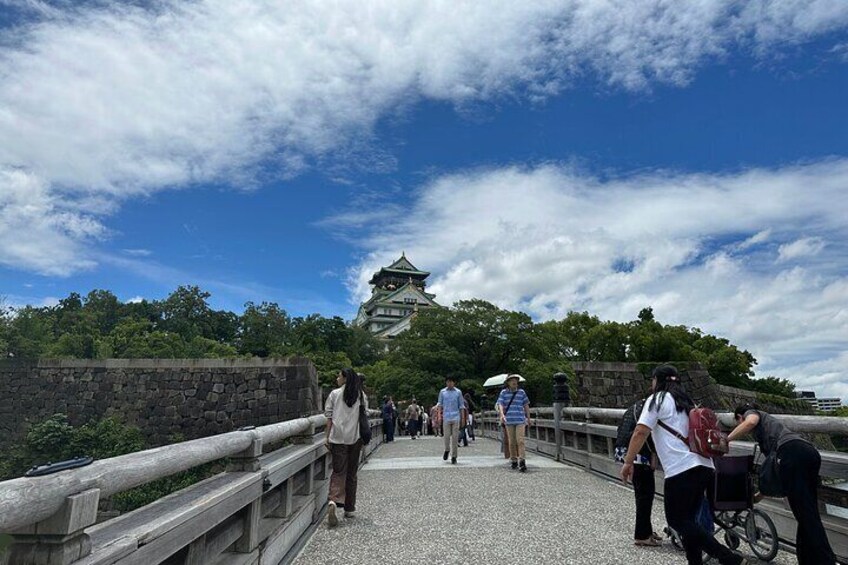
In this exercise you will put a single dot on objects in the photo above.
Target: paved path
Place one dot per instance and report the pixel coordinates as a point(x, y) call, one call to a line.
point(415, 508)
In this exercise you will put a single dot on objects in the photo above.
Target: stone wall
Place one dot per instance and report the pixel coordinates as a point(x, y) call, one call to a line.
point(618, 385)
point(164, 397)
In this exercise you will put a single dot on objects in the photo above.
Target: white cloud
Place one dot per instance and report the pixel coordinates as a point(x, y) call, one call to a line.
point(39, 231)
point(804, 247)
point(136, 300)
point(138, 252)
point(548, 240)
point(102, 103)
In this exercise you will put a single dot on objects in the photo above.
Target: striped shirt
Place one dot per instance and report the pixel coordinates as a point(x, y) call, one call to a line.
point(515, 415)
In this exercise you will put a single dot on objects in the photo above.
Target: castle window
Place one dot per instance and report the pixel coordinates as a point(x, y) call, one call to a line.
point(410, 301)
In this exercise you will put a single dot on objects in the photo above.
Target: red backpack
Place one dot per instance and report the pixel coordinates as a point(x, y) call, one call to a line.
point(705, 436)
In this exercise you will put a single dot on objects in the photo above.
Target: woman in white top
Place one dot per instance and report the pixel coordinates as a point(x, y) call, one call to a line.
point(688, 475)
point(343, 442)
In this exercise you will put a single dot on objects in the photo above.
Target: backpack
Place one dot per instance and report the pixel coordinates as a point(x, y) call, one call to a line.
point(705, 436)
point(628, 425)
point(625, 431)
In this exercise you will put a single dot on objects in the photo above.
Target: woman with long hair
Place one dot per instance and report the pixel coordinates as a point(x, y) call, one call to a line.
point(688, 475)
point(343, 442)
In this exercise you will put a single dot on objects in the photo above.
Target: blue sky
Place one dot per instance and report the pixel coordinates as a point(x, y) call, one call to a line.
point(522, 154)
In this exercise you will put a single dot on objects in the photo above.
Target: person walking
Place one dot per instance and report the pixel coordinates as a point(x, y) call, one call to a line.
point(644, 486)
point(413, 411)
point(389, 419)
point(798, 465)
point(451, 413)
point(514, 410)
point(425, 422)
point(688, 475)
point(469, 427)
point(436, 420)
point(344, 443)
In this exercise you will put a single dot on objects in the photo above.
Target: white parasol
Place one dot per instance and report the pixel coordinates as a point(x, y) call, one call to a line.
point(499, 380)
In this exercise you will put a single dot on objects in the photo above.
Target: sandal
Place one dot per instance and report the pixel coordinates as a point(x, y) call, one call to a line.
point(650, 542)
point(656, 536)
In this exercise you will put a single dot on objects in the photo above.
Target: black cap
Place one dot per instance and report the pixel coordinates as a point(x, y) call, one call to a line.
point(665, 373)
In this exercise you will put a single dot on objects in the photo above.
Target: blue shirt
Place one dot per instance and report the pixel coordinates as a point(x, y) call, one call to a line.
point(515, 415)
point(452, 403)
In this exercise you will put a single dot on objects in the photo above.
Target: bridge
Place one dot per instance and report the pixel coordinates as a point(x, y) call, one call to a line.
point(267, 506)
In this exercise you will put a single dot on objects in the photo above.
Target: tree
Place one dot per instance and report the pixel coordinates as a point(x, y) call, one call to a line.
point(773, 385)
point(264, 330)
point(187, 313)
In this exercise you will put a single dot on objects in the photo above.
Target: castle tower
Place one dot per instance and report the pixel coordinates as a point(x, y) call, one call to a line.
point(397, 294)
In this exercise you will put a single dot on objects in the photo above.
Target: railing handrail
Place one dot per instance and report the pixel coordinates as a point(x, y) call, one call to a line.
point(795, 422)
point(29, 500)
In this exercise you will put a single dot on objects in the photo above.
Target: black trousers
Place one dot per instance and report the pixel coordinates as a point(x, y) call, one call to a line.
point(645, 488)
point(684, 494)
point(799, 464)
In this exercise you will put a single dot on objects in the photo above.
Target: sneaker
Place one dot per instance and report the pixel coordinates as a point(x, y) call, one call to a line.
point(453, 460)
point(514, 464)
point(445, 456)
point(350, 514)
point(522, 466)
point(332, 519)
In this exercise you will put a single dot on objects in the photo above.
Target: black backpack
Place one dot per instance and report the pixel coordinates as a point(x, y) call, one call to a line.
point(628, 425)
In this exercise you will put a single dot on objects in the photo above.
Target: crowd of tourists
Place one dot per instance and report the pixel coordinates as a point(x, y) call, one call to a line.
point(653, 433)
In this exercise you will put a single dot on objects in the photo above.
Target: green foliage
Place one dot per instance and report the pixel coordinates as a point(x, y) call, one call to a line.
point(151, 492)
point(773, 386)
point(841, 412)
point(54, 439)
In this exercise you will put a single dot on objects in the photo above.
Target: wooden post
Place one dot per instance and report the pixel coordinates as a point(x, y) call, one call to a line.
point(305, 437)
point(284, 510)
point(252, 518)
point(197, 552)
point(558, 428)
point(60, 539)
point(310, 478)
point(247, 460)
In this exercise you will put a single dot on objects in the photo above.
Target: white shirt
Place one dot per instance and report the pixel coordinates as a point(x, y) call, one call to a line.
point(673, 453)
point(345, 418)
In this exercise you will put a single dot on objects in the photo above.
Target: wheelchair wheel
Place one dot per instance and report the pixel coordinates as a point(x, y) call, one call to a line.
point(762, 535)
point(731, 540)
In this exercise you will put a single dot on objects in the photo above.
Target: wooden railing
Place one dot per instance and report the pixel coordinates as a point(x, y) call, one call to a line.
point(586, 437)
point(256, 512)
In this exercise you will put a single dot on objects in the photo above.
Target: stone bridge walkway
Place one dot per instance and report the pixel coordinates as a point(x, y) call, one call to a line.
point(415, 508)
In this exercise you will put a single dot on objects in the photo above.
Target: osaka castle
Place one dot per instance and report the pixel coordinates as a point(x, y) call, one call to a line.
point(397, 295)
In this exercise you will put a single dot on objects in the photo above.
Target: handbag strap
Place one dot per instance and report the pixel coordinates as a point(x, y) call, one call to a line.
point(509, 403)
point(673, 432)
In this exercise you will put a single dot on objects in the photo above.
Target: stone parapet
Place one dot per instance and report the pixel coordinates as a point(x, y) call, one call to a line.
point(165, 398)
point(618, 385)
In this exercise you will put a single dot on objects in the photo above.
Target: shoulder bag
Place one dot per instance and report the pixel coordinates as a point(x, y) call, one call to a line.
point(364, 424)
point(768, 475)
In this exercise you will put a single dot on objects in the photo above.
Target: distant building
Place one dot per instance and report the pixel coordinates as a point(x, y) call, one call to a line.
point(829, 404)
point(397, 295)
point(820, 404)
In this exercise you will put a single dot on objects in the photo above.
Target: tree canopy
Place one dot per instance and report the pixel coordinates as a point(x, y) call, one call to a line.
point(472, 340)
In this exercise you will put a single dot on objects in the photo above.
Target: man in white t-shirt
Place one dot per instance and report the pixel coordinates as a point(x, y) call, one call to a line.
point(688, 475)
